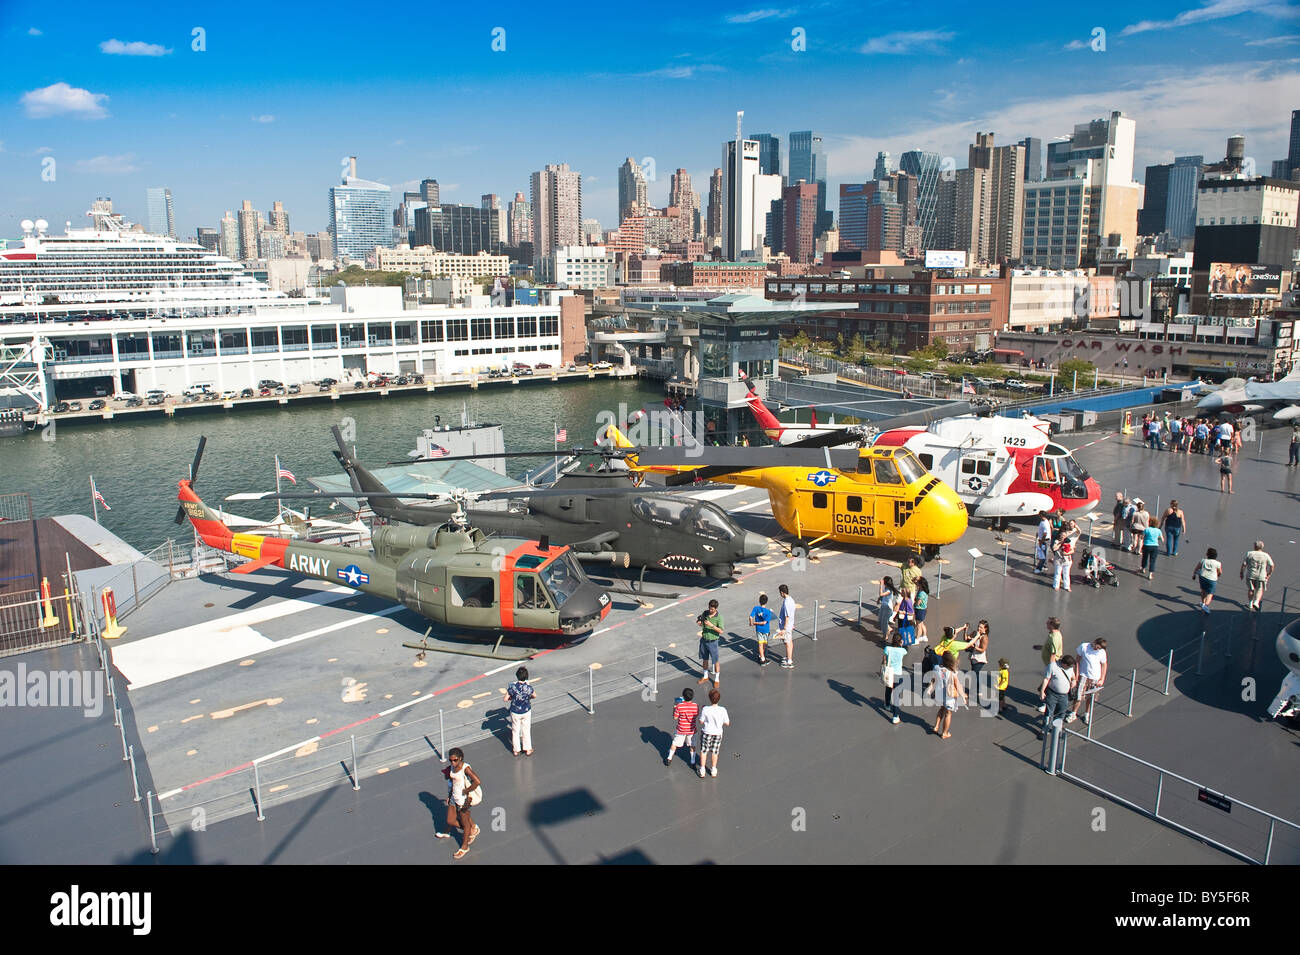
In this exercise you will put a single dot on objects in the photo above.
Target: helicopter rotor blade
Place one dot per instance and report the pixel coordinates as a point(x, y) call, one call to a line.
point(550, 453)
point(194, 475)
point(472, 497)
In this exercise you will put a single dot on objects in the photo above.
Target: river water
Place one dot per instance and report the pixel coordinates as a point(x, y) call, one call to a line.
point(136, 463)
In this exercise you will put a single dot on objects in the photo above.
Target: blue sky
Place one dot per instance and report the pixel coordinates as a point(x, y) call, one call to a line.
point(119, 99)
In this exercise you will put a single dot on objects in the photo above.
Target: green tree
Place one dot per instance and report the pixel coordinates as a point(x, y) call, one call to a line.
point(857, 349)
point(1069, 367)
point(356, 275)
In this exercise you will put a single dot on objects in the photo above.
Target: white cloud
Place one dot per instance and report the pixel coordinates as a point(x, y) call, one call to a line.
point(1076, 45)
point(1274, 40)
point(32, 31)
point(1214, 10)
point(60, 98)
point(915, 41)
point(264, 118)
point(1182, 113)
point(107, 165)
point(682, 72)
point(133, 48)
point(753, 16)
point(399, 142)
point(41, 150)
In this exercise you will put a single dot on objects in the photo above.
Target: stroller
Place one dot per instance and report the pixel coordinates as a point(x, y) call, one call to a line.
point(1097, 570)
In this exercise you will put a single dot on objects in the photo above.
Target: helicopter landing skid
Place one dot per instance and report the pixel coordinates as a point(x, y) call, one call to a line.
point(472, 649)
point(637, 590)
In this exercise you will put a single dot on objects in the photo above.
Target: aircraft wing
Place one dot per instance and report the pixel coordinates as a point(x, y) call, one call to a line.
point(1273, 391)
point(749, 459)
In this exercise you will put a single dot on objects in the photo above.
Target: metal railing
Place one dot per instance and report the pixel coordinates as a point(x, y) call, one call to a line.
point(28, 623)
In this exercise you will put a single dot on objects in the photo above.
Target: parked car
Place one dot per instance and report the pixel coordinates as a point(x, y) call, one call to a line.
point(519, 368)
point(359, 385)
point(401, 380)
point(97, 404)
point(417, 379)
point(135, 401)
point(280, 391)
point(572, 367)
point(295, 389)
point(265, 392)
point(1015, 384)
point(62, 408)
point(268, 383)
point(326, 382)
point(74, 406)
point(229, 395)
point(155, 400)
point(543, 366)
point(246, 393)
point(601, 366)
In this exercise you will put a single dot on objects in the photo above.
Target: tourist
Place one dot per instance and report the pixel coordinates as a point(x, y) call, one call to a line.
point(1058, 681)
point(1118, 520)
point(1138, 522)
point(686, 714)
point(1004, 681)
point(1201, 442)
point(1054, 645)
point(1256, 569)
point(905, 618)
point(520, 695)
point(921, 603)
point(1062, 559)
point(466, 792)
point(1293, 449)
point(1092, 677)
point(1226, 431)
point(1042, 542)
point(1151, 538)
point(1225, 471)
point(911, 573)
point(950, 693)
point(1236, 437)
point(1173, 522)
point(889, 597)
point(1207, 573)
point(710, 636)
point(979, 655)
point(760, 618)
point(949, 642)
point(712, 720)
point(1189, 429)
point(1154, 431)
point(785, 624)
point(891, 674)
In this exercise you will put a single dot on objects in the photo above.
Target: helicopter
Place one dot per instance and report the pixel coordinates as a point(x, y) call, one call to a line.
point(453, 574)
point(870, 496)
point(629, 528)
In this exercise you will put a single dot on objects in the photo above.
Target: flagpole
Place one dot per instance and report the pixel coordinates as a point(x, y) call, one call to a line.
point(279, 504)
point(555, 447)
point(93, 506)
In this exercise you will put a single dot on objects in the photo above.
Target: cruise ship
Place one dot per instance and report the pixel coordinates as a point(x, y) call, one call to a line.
point(107, 311)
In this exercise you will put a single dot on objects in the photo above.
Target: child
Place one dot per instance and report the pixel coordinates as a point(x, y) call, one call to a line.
point(922, 603)
point(761, 620)
point(905, 618)
point(1004, 681)
point(685, 714)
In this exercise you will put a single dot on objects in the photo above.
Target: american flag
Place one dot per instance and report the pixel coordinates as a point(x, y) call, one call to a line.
point(99, 497)
point(562, 434)
point(967, 387)
point(283, 472)
point(438, 451)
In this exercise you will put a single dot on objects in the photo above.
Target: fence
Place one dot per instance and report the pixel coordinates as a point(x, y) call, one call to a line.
point(1254, 835)
point(16, 507)
point(28, 623)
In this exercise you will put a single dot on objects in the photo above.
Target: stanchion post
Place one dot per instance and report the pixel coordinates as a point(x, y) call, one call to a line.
point(972, 572)
point(938, 577)
point(1169, 670)
point(356, 772)
point(859, 609)
point(1200, 653)
point(112, 697)
point(1006, 550)
point(1284, 600)
point(1132, 687)
point(121, 728)
point(257, 792)
point(153, 833)
point(655, 684)
point(442, 739)
point(816, 607)
point(1055, 732)
point(135, 783)
point(591, 690)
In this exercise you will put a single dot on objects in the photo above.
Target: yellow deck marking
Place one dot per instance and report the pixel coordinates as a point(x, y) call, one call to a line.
point(397, 722)
point(479, 696)
point(307, 748)
point(226, 714)
point(153, 729)
point(312, 721)
point(196, 716)
point(278, 789)
point(191, 752)
point(380, 772)
point(388, 696)
point(595, 666)
point(193, 702)
point(464, 703)
point(419, 663)
point(403, 763)
point(354, 692)
point(246, 663)
point(332, 660)
point(382, 630)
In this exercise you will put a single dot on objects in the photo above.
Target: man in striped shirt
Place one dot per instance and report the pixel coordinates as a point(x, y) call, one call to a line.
point(685, 715)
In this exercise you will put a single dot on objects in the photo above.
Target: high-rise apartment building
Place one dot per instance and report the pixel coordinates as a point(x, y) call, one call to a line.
point(808, 162)
point(854, 197)
point(556, 196)
point(685, 199)
point(1033, 158)
point(228, 242)
point(1293, 150)
point(713, 228)
point(279, 218)
point(521, 221)
point(359, 216)
point(799, 212)
point(926, 167)
point(250, 223)
point(209, 239)
point(1244, 219)
point(769, 154)
point(498, 223)
point(429, 192)
point(1169, 199)
point(989, 201)
point(747, 199)
point(463, 229)
point(632, 190)
point(159, 207)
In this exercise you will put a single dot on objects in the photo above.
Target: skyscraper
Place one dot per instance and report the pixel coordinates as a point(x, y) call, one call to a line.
point(882, 169)
point(521, 221)
point(228, 242)
point(209, 239)
point(808, 162)
point(429, 192)
point(686, 199)
point(632, 190)
point(713, 228)
point(989, 201)
point(498, 224)
point(1293, 151)
point(159, 205)
point(925, 167)
point(747, 197)
point(250, 225)
point(1155, 199)
point(769, 153)
point(279, 218)
point(556, 196)
point(1101, 153)
point(462, 229)
point(854, 197)
point(1180, 205)
point(359, 216)
point(1033, 158)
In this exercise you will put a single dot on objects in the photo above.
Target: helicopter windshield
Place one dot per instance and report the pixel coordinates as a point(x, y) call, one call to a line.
point(886, 472)
point(1073, 470)
point(561, 579)
point(710, 522)
point(909, 465)
point(660, 510)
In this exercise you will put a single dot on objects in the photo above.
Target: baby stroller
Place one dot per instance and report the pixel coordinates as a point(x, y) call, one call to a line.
point(1097, 570)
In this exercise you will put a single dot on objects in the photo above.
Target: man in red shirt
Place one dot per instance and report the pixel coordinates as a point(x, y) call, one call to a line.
point(685, 716)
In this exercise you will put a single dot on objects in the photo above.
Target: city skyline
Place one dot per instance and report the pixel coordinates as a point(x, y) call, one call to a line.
point(120, 101)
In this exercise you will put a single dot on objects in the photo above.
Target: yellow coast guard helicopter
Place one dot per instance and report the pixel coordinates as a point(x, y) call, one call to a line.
point(874, 496)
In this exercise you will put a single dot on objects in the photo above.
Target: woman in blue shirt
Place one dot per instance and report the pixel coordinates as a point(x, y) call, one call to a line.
point(1151, 538)
point(894, 654)
point(920, 603)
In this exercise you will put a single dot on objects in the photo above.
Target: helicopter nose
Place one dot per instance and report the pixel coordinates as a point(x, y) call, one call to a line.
point(945, 514)
point(753, 545)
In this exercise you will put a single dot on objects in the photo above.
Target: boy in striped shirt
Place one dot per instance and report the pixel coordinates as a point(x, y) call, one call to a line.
point(685, 715)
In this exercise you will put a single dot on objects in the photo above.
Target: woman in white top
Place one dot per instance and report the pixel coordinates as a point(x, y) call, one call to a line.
point(889, 598)
point(462, 783)
point(1207, 572)
point(979, 654)
point(949, 691)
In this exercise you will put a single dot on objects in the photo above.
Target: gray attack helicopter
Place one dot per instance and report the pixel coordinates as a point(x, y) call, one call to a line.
point(662, 531)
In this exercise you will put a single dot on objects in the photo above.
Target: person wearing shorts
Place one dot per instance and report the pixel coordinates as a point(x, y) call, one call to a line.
point(1092, 677)
point(710, 635)
point(1255, 571)
point(947, 688)
point(712, 720)
point(760, 618)
point(686, 715)
point(1225, 472)
point(785, 624)
point(1207, 573)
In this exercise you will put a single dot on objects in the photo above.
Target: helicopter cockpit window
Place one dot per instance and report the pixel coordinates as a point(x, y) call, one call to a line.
point(660, 511)
point(1045, 470)
point(530, 594)
point(712, 524)
point(910, 466)
point(561, 579)
point(473, 591)
point(886, 471)
point(1072, 469)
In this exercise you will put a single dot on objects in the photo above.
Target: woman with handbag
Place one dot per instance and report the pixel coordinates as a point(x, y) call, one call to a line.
point(466, 791)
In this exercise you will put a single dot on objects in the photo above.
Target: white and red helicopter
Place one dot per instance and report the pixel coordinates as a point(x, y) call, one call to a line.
point(1002, 468)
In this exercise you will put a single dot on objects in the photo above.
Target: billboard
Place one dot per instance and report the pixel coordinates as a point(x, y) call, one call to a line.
point(1231, 278)
point(938, 259)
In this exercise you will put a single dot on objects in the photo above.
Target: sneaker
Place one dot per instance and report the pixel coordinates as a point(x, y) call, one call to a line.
point(895, 720)
point(1071, 718)
point(787, 664)
point(1086, 719)
point(701, 772)
point(703, 679)
point(1043, 708)
point(764, 662)
point(668, 761)
point(460, 853)
point(713, 771)
point(442, 835)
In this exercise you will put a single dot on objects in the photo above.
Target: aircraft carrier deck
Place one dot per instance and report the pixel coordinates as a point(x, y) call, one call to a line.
point(242, 697)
